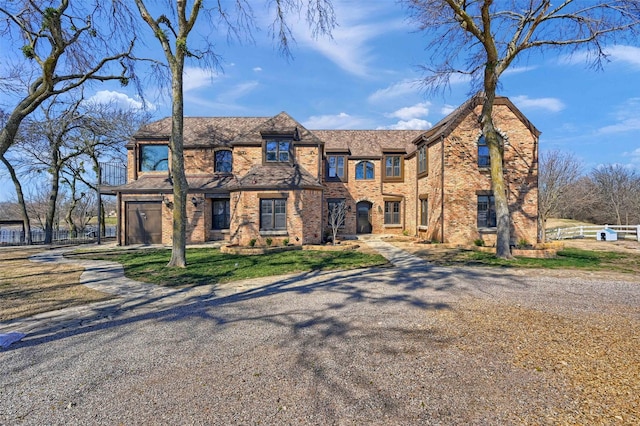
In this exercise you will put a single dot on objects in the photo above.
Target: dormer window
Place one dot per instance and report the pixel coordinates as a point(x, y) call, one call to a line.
point(393, 168)
point(223, 162)
point(154, 158)
point(278, 151)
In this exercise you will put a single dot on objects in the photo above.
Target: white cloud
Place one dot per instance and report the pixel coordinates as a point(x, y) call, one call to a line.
point(626, 117)
point(339, 121)
point(350, 46)
point(119, 100)
point(197, 78)
point(518, 70)
point(396, 90)
point(447, 109)
point(238, 91)
point(620, 53)
point(407, 113)
point(412, 124)
point(257, 69)
point(550, 104)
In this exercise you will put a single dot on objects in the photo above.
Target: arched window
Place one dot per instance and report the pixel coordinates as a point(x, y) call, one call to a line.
point(223, 162)
point(483, 153)
point(364, 170)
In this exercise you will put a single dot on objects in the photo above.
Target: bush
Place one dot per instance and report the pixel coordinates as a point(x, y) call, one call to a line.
point(523, 243)
point(479, 242)
point(252, 242)
point(269, 241)
point(285, 242)
point(405, 233)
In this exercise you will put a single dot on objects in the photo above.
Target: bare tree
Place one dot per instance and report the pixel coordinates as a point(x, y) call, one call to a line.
point(482, 39)
point(617, 190)
point(62, 48)
point(337, 215)
point(558, 171)
point(173, 38)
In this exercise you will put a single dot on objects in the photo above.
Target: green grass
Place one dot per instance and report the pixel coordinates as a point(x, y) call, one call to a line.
point(569, 258)
point(209, 266)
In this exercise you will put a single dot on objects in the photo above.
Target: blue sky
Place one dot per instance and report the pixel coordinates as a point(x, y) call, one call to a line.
point(368, 77)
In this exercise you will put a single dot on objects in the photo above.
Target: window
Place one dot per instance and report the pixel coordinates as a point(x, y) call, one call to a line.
point(393, 167)
point(424, 212)
point(278, 151)
point(422, 159)
point(221, 214)
point(392, 212)
point(483, 153)
point(154, 158)
point(486, 211)
point(273, 214)
point(223, 162)
point(335, 166)
point(336, 211)
point(364, 170)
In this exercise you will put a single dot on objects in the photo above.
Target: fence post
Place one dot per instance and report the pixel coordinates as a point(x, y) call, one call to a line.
point(638, 232)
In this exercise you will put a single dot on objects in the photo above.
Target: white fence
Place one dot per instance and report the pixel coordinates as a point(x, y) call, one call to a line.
point(629, 232)
point(14, 236)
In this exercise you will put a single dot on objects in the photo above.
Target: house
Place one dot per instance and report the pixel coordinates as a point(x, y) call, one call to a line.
point(253, 178)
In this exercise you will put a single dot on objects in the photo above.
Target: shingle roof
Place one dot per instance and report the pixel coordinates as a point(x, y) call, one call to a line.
point(281, 124)
point(202, 131)
point(276, 176)
point(369, 143)
point(161, 184)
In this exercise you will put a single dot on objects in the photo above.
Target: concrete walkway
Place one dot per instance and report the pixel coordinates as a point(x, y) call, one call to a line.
point(138, 298)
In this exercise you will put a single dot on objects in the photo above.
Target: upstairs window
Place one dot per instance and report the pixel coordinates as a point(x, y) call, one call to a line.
point(364, 170)
point(336, 167)
point(486, 211)
point(223, 162)
point(422, 159)
point(393, 167)
point(154, 158)
point(483, 153)
point(278, 151)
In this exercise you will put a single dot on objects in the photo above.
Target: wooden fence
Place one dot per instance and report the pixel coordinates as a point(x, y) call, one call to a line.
point(627, 232)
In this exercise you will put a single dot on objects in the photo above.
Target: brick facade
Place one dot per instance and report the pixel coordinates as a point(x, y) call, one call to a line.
point(449, 188)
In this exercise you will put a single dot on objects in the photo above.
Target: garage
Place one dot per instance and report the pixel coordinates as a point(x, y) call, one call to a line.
point(144, 222)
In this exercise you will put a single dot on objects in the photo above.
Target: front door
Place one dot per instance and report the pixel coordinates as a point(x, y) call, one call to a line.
point(364, 217)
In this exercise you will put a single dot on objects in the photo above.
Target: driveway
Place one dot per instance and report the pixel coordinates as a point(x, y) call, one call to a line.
point(411, 344)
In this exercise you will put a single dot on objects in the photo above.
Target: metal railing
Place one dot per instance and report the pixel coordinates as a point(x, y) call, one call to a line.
point(11, 237)
point(624, 232)
point(113, 174)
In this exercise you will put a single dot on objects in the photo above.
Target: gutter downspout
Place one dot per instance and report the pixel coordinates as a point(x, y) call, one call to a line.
point(442, 191)
point(321, 192)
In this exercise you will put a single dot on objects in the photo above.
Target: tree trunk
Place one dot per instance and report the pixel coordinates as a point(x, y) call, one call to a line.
point(51, 207)
point(23, 206)
point(180, 185)
point(498, 186)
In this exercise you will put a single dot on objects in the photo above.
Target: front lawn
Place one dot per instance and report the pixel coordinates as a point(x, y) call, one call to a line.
point(209, 266)
point(569, 258)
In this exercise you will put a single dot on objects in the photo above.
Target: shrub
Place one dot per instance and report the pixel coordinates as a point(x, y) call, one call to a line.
point(285, 242)
point(269, 241)
point(252, 242)
point(479, 242)
point(523, 243)
point(405, 233)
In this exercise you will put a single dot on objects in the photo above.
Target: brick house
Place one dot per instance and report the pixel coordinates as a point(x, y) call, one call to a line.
point(270, 177)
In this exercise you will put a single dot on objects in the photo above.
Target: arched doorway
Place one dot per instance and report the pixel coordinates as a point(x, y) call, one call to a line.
point(363, 224)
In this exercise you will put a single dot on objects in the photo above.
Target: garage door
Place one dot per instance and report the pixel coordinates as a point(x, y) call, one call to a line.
point(144, 222)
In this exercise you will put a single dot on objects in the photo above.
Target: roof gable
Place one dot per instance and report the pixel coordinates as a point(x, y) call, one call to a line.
point(281, 125)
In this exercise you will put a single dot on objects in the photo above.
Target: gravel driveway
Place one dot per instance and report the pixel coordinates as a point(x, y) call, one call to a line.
point(378, 346)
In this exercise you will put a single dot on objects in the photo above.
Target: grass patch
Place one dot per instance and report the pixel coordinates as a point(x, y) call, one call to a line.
point(210, 266)
point(28, 288)
point(569, 258)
